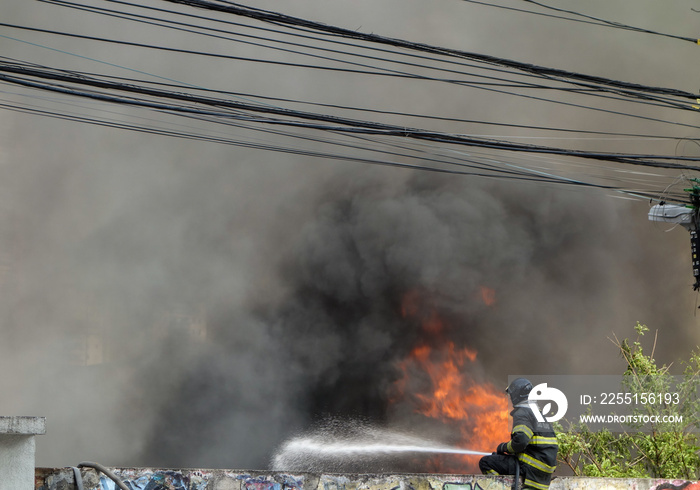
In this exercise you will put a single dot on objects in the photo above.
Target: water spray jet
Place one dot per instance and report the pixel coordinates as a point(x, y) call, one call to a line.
point(326, 450)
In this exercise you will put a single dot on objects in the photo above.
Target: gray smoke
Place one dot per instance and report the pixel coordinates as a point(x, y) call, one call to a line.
point(178, 304)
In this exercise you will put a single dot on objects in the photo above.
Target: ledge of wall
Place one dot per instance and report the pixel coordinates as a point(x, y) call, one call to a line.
point(23, 425)
point(194, 479)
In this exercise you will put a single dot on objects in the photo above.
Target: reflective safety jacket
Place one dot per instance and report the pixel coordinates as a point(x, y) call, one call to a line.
point(535, 444)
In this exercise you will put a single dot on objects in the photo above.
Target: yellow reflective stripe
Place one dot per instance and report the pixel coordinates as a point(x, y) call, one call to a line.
point(523, 428)
point(543, 440)
point(509, 447)
point(534, 484)
point(491, 472)
point(527, 459)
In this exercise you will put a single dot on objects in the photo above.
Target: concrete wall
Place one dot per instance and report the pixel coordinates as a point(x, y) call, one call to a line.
point(154, 479)
point(17, 447)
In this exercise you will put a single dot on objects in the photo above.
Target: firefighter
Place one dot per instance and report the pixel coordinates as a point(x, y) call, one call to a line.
point(532, 445)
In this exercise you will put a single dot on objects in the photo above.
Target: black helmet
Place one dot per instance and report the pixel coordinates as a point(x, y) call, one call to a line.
point(519, 390)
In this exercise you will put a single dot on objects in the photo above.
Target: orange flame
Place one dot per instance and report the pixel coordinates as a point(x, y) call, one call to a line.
point(477, 411)
point(488, 295)
point(412, 307)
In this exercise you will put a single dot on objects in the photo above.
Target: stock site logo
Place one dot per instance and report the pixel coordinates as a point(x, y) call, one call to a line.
point(544, 393)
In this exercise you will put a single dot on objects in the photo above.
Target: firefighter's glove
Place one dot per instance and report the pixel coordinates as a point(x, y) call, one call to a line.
point(502, 448)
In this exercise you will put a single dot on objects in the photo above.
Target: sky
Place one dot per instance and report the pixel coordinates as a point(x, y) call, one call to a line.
point(177, 302)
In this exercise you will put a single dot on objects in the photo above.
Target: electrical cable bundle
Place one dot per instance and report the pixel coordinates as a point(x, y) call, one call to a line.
point(354, 133)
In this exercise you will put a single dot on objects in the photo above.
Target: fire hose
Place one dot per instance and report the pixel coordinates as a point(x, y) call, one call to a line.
point(516, 478)
point(98, 467)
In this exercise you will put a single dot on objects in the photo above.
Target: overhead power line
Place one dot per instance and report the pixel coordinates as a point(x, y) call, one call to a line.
point(301, 118)
point(635, 93)
point(282, 19)
point(342, 131)
point(585, 19)
point(497, 85)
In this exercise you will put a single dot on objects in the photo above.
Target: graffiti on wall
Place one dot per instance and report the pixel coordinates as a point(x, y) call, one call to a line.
point(144, 479)
point(415, 482)
point(162, 480)
point(175, 480)
point(677, 485)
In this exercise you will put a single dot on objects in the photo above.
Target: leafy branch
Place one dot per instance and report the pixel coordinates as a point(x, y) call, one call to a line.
point(663, 449)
